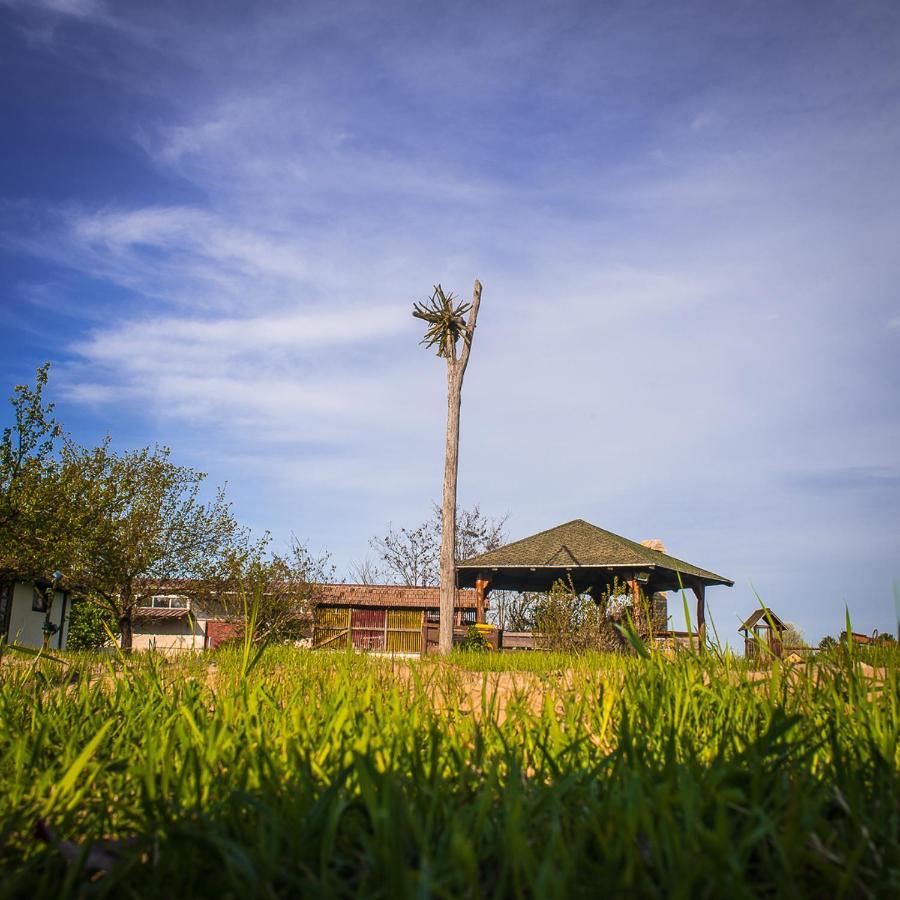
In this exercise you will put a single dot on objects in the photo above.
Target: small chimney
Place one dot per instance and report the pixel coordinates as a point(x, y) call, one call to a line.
point(660, 607)
point(654, 544)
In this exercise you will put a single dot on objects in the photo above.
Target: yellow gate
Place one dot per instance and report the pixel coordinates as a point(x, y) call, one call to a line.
point(332, 627)
point(404, 631)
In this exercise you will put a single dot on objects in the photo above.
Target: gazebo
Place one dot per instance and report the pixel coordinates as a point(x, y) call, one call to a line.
point(765, 627)
point(592, 558)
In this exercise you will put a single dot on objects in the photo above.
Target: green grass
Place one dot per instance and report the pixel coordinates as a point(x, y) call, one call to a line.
point(332, 774)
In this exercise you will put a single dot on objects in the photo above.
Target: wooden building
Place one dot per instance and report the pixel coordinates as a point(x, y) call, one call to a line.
point(592, 559)
point(169, 622)
point(381, 617)
point(763, 630)
point(388, 618)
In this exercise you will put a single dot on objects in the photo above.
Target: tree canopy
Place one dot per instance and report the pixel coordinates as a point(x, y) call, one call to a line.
point(118, 526)
point(27, 483)
point(145, 526)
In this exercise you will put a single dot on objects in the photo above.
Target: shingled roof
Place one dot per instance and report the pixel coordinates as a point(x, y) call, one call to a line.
point(577, 547)
point(767, 615)
point(389, 596)
point(159, 612)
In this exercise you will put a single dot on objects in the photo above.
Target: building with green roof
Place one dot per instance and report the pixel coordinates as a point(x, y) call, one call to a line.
point(591, 557)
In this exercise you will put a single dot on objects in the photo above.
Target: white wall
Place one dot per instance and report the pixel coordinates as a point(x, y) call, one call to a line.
point(169, 635)
point(25, 624)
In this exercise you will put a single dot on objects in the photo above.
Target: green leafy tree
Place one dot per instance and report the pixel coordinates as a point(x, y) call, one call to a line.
point(143, 528)
point(446, 327)
point(38, 535)
point(568, 620)
point(26, 493)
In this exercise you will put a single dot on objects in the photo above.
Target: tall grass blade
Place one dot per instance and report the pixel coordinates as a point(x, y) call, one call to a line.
point(65, 784)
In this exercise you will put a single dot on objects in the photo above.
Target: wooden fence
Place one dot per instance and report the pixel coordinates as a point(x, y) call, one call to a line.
point(400, 631)
point(385, 630)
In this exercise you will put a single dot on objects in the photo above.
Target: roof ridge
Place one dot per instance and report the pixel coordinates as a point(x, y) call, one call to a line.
point(529, 537)
point(565, 549)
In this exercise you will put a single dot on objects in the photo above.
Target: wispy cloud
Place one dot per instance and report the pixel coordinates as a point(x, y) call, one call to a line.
point(277, 370)
point(878, 478)
point(76, 8)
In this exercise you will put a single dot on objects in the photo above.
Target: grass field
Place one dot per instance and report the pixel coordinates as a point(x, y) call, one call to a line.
point(339, 775)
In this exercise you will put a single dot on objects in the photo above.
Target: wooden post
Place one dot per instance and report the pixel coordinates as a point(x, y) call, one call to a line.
point(636, 605)
point(776, 643)
point(700, 591)
point(481, 586)
point(456, 370)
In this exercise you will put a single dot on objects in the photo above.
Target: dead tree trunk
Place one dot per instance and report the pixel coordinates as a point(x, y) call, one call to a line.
point(456, 370)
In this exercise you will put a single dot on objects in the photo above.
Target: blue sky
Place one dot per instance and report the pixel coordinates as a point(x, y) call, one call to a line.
point(214, 219)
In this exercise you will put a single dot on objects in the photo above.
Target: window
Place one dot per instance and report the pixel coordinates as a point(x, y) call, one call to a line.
point(6, 592)
point(433, 615)
point(167, 601)
point(468, 617)
point(38, 600)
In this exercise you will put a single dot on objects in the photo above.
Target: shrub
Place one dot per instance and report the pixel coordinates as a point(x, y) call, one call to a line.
point(86, 626)
point(572, 622)
point(474, 640)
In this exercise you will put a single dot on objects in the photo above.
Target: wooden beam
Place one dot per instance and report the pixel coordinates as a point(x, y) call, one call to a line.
point(699, 590)
point(481, 587)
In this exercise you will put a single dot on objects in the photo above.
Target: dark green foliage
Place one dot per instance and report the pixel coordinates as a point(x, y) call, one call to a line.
point(88, 624)
point(326, 774)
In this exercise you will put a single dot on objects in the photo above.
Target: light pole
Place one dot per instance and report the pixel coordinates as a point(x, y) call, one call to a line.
point(48, 628)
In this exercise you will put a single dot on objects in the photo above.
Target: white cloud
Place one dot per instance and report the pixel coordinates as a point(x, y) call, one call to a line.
point(75, 8)
point(253, 344)
point(283, 374)
point(165, 227)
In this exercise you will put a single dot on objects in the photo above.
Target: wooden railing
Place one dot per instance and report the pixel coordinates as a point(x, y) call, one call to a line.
point(500, 640)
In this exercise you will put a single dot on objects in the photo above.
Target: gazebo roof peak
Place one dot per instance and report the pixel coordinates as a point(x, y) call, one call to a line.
point(768, 618)
point(577, 546)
